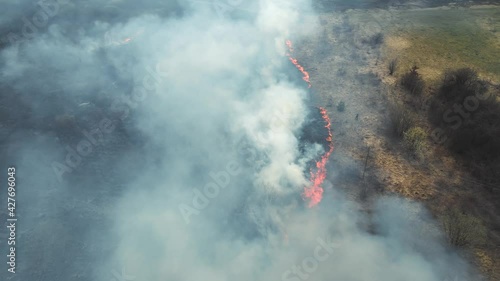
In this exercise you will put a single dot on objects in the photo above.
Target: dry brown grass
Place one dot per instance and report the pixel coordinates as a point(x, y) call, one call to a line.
point(446, 183)
point(440, 181)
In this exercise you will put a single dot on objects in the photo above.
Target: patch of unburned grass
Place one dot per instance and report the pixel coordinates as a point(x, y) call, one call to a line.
point(440, 39)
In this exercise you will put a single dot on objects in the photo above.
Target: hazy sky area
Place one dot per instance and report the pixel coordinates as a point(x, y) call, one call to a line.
point(163, 140)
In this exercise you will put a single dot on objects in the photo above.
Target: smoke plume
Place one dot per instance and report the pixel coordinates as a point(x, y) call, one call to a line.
point(165, 141)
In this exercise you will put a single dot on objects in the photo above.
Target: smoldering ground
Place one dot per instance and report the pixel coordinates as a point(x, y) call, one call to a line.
point(118, 211)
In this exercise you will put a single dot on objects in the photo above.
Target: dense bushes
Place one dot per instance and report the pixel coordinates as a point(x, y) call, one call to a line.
point(460, 84)
point(469, 115)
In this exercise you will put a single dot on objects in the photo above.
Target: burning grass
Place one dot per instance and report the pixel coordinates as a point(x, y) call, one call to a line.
point(314, 192)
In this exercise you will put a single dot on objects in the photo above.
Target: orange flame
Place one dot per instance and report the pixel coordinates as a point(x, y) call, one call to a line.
point(314, 192)
point(296, 63)
point(127, 39)
point(289, 45)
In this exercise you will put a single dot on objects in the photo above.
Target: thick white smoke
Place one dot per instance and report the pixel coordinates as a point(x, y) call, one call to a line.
point(215, 194)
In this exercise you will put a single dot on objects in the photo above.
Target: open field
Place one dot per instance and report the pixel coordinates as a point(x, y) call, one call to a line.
point(445, 39)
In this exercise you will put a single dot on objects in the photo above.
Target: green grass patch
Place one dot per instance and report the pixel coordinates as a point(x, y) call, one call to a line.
point(445, 39)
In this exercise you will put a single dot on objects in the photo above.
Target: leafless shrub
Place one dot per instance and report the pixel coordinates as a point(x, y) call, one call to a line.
point(413, 82)
point(463, 229)
point(401, 118)
point(392, 66)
